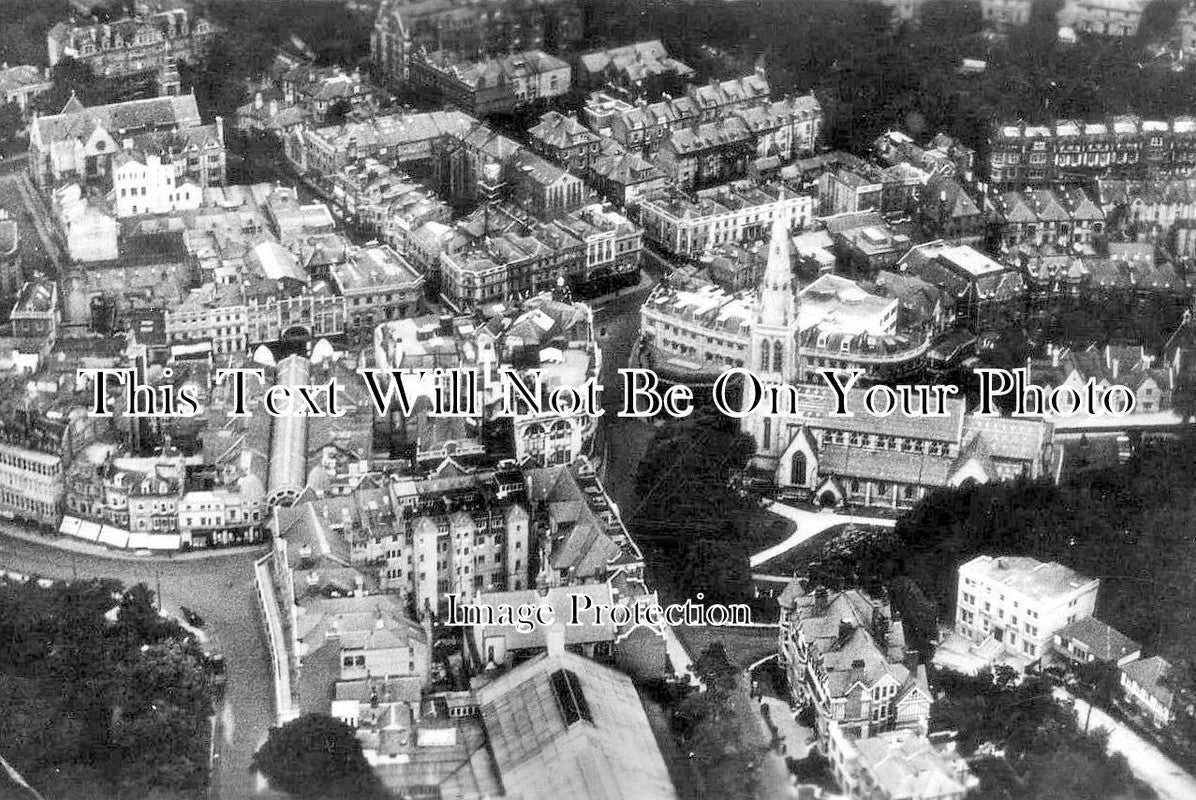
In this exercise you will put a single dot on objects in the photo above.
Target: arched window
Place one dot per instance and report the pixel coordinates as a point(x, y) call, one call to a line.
point(797, 472)
point(778, 354)
point(764, 354)
point(767, 431)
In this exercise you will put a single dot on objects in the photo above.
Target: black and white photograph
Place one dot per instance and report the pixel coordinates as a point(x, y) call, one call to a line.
point(597, 400)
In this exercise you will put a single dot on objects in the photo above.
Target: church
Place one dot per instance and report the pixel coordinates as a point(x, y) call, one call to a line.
point(863, 459)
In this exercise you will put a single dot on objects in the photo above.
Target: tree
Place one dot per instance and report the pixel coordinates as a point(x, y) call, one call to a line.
point(316, 756)
point(337, 112)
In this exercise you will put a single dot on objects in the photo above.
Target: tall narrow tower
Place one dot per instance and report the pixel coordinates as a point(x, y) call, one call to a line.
point(773, 350)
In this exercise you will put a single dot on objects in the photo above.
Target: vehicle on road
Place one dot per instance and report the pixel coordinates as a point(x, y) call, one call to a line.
point(190, 617)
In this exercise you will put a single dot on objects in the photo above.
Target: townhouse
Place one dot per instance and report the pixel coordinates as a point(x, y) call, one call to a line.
point(1124, 146)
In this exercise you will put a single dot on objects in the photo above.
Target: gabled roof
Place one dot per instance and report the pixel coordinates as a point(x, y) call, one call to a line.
point(153, 113)
point(563, 726)
point(1151, 674)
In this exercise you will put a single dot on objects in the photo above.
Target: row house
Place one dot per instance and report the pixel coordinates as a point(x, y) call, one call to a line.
point(740, 212)
point(643, 128)
point(500, 85)
point(845, 656)
point(1014, 605)
point(851, 185)
point(1065, 217)
point(722, 150)
point(1125, 146)
point(132, 45)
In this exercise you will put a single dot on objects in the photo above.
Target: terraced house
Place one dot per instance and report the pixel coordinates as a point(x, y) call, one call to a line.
point(1124, 146)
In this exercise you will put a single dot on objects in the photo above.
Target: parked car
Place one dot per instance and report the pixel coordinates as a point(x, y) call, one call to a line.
point(190, 617)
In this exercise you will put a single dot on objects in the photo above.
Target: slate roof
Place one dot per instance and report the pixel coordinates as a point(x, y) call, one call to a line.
point(1104, 642)
point(78, 121)
point(543, 753)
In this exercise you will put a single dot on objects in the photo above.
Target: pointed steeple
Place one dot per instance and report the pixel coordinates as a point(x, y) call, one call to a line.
point(777, 304)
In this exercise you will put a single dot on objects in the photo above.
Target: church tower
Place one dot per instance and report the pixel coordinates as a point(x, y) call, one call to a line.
point(773, 349)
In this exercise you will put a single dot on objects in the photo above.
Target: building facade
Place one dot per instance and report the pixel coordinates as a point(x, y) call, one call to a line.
point(1015, 605)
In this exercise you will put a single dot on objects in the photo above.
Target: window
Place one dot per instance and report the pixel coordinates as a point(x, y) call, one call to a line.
point(569, 697)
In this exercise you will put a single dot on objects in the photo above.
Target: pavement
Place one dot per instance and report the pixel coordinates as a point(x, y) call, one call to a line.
point(220, 588)
point(810, 524)
point(1146, 761)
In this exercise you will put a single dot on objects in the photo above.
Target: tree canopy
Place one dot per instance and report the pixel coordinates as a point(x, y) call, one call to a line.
point(316, 756)
point(119, 707)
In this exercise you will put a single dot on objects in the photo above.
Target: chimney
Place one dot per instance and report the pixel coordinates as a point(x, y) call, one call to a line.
point(845, 629)
point(220, 129)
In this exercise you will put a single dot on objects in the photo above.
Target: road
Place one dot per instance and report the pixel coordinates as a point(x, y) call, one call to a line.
point(810, 524)
point(221, 590)
point(1146, 762)
point(622, 440)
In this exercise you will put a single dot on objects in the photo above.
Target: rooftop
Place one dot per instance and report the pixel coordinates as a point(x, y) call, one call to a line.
point(1030, 577)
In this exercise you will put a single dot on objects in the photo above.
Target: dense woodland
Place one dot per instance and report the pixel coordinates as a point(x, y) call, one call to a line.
point(100, 708)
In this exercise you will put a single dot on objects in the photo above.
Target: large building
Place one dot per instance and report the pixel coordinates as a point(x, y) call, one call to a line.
point(741, 212)
point(489, 27)
point(564, 726)
point(501, 85)
point(377, 285)
point(845, 656)
point(1012, 606)
point(1124, 146)
point(84, 143)
point(552, 337)
point(837, 324)
point(132, 45)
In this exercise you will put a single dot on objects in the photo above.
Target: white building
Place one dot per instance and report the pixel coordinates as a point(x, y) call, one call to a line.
point(1013, 605)
point(737, 213)
point(143, 184)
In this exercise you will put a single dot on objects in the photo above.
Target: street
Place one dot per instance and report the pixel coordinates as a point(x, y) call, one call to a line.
point(1146, 762)
point(621, 440)
point(220, 589)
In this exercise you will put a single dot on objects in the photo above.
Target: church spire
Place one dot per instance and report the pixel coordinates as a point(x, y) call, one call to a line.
point(777, 304)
